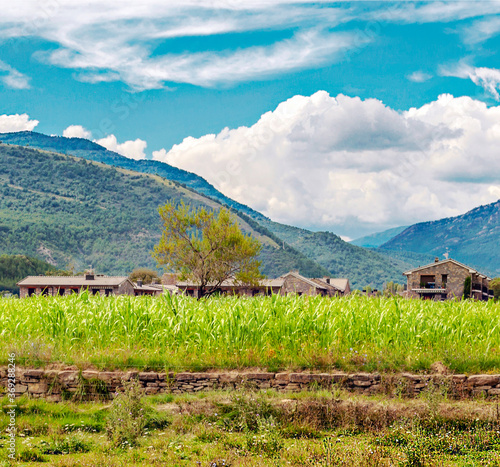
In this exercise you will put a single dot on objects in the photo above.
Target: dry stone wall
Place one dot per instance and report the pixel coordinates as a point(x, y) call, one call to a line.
point(71, 383)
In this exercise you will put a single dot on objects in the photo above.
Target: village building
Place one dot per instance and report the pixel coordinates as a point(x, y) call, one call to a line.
point(66, 285)
point(155, 288)
point(292, 282)
point(445, 280)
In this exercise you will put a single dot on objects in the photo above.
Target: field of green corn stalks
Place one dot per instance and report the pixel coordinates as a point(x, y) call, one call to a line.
point(279, 332)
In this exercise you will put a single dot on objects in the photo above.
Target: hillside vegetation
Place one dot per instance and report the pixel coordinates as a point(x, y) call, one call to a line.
point(69, 210)
point(335, 257)
point(13, 268)
point(472, 238)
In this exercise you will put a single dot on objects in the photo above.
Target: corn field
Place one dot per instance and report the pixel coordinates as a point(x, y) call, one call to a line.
point(279, 332)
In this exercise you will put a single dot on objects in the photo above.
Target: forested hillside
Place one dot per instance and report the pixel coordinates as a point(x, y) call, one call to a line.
point(13, 268)
point(472, 238)
point(69, 210)
point(335, 256)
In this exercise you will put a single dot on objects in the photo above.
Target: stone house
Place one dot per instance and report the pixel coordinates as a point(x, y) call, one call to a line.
point(66, 285)
point(148, 289)
point(291, 282)
point(444, 280)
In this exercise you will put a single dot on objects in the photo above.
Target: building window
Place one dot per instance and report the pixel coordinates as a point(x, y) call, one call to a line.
point(31, 292)
point(444, 280)
point(61, 291)
point(45, 291)
point(428, 282)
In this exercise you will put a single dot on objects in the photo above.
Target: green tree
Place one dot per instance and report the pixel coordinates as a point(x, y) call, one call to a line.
point(206, 247)
point(144, 274)
point(495, 286)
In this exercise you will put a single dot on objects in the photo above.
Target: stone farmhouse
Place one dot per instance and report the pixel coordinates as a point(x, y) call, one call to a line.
point(444, 280)
point(66, 285)
point(292, 282)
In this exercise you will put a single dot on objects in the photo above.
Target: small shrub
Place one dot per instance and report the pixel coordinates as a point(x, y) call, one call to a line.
point(31, 455)
point(67, 445)
point(127, 419)
point(266, 439)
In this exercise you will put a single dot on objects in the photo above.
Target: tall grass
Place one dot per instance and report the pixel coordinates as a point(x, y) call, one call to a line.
point(177, 332)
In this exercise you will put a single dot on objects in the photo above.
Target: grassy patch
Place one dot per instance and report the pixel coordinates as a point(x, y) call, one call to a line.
point(312, 429)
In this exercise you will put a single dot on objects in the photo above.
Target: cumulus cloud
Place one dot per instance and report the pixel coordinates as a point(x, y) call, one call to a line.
point(12, 78)
point(353, 166)
point(16, 122)
point(77, 131)
point(131, 149)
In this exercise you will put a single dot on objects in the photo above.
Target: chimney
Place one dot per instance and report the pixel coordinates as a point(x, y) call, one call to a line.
point(139, 282)
point(296, 271)
point(154, 281)
point(326, 279)
point(436, 259)
point(89, 276)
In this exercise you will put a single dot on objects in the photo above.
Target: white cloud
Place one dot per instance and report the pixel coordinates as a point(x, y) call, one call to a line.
point(77, 131)
point(16, 122)
point(12, 78)
point(487, 78)
point(482, 30)
point(117, 40)
point(354, 166)
point(419, 76)
point(131, 149)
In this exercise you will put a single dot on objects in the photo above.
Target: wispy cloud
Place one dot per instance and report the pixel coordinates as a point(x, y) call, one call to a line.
point(419, 76)
point(482, 30)
point(117, 40)
point(487, 78)
point(12, 78)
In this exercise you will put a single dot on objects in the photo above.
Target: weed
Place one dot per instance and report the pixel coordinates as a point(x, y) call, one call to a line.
point(127, 420)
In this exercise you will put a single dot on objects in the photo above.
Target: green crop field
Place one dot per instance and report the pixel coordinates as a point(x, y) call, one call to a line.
point(176, 332)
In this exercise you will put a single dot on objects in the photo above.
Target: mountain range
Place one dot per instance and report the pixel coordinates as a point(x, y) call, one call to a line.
point(77, 202)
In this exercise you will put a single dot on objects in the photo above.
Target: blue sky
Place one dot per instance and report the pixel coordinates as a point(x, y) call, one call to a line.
point(165, 79)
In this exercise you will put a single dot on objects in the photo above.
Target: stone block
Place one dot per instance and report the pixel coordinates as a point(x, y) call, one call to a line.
point(483, 380)
point(261, 376)
point(68, 376)
point(494, 392)
point(364, 384)
point(34, 373)
point(229, 377)
point(21, 388)
point(38, 388)
point(282, 376)
point(89, 374)
point(184, 377)
point(148, 376)
point(300, 378)
point(361, 377)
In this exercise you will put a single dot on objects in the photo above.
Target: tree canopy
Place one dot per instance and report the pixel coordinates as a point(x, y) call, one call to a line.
point(206, 247)
point(144, 274)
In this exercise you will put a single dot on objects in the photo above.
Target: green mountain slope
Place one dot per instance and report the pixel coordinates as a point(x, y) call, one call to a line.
point(69, 210)
point(336, 257)
point(362, 266)
point(13, 268)
point(472, 238)
point(86, 149)
point(379, 238)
